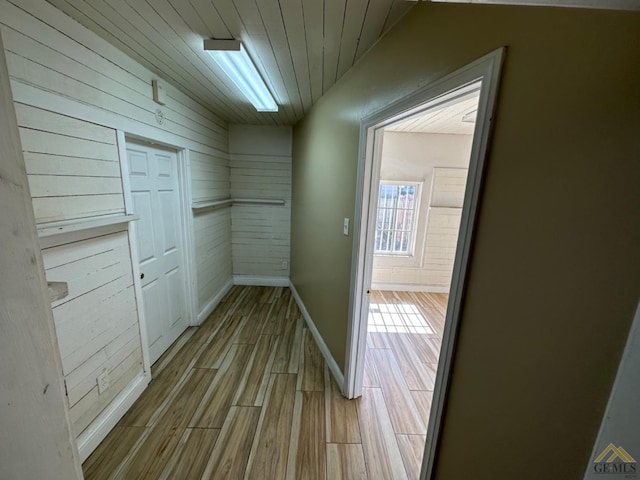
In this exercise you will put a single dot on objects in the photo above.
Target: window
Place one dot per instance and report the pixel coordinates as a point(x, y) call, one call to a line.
point(397, 216)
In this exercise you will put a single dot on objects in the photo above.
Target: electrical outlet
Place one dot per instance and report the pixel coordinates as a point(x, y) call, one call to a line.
point(285, 265)
point(103, 382)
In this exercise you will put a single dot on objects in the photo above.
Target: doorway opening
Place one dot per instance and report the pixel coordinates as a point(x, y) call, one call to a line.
point(406, 237)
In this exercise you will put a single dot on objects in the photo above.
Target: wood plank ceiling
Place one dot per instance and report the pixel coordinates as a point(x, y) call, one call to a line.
point(444, 119)
point(301, 47)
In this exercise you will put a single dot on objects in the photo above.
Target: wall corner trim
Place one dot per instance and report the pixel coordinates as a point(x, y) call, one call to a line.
point(331, 362)
point(213, 302)
point(89, 440)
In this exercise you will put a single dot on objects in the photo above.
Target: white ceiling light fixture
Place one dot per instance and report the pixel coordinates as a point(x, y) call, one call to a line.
point(234, 60)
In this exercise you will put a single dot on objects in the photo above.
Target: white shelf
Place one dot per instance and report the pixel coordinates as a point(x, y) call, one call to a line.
point(258, 201)
point(57, 290)
point(201, 206)
point(69, 226)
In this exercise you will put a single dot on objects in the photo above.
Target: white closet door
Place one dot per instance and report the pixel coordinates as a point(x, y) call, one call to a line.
point(153, 175)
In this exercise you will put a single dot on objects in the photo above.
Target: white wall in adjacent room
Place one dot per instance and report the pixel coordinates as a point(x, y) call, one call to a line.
point(439, 162)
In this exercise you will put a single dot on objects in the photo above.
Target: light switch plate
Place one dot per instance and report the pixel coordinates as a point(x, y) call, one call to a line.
point(345, 227)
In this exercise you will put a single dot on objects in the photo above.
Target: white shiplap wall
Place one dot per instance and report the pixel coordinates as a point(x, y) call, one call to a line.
point(439, 162)
point(210, 180)
point(445, 213)
point(72, 165)
point(261, 169)
point(96, 323)
point(443, 225)
point(73, 91)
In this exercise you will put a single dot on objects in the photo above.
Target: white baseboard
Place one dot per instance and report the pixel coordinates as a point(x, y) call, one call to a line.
point(89, 440)
point(213, 303)
point(409, 287)
point(261, 280)
point(331, 362)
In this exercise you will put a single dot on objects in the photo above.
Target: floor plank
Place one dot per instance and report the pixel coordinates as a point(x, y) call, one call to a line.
point(307, 452)
point(231, 452)
point(191, 454)
point(218, 399)
point(423, 399)
point(108, 456)
point(312, 378)
point(380, 447)
point(412, 451)
point(254, 382)
point(370, 377)
point(142, 411)
point(414, 372)
point(287, 356)
point(268, 457)
point(345, 462)
point(342, 415)
point(215, 350)
point(156, 450)
point(402, 410)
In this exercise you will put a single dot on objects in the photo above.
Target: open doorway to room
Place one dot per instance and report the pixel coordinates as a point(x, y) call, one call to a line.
point(423, 173)
point(419, 183)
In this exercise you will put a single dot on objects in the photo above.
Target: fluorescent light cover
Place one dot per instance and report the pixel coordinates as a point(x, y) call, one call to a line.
point(231, 57)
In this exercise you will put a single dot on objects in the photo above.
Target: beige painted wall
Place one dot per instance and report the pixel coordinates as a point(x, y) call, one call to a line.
point(553, 281)
point(412, 157)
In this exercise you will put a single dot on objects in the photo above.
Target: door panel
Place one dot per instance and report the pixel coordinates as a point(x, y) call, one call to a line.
point(144, 226)
point(138, 164)
point(174, 279)
point(151, 300)
point(164, 166)
point(153, 175)
point(168, 214)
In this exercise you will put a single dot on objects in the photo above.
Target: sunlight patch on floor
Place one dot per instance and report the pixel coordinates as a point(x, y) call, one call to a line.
point(398, 318)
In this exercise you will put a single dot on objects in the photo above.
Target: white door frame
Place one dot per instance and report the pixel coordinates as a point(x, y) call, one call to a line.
point(186, 232)
point(488, 70)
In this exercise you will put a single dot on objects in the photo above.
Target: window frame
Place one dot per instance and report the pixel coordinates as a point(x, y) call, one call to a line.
point(415, 220)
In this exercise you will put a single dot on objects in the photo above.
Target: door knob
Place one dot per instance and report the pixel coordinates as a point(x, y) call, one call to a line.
point(141, 276)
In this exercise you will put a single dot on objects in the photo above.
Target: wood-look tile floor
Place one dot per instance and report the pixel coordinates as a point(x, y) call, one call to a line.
point(247, 395)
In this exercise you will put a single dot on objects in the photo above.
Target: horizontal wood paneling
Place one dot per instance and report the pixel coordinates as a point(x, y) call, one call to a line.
point(210, 179)
point(448, 187)
point(212, 232)
point(61, 153)
point(96, 324)
point(209, 176)
point(52, 52)
point(261, 168)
